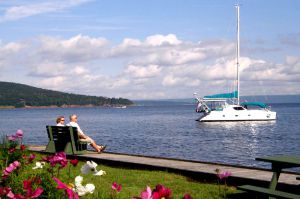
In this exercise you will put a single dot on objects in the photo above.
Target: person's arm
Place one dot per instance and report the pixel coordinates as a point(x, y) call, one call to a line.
point(80, 132)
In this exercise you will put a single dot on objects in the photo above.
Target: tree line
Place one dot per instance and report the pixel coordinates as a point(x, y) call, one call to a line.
point(20, 95)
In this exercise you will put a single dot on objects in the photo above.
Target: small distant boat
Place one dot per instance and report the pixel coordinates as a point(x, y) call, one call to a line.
point(227, 106)
point(120, 106)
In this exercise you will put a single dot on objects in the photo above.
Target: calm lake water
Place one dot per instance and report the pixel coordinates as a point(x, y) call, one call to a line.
point(168, 130)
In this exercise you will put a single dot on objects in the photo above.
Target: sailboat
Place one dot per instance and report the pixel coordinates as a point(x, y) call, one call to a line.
point(227, 106)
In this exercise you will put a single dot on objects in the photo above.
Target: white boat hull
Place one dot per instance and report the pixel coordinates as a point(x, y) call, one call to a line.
point(229, 114)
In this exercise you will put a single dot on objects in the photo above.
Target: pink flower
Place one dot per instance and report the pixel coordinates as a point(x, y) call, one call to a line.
point(19, 133)
point(146, 194)
point(187, 196)
point(11, 137)
point(31, 157)
point(69, 191)
point(11, 150)
point(16, 163)
point(47, 158)
point(10, 168)
point(27, 184)
point(74, 162)
point(161, 192)
point(10, 194)
point(116, 187)
point(4, 191)
point(224, 175)
point(58, 158)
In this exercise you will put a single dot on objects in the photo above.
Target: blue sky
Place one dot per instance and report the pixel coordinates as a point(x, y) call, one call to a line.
point(150, 49)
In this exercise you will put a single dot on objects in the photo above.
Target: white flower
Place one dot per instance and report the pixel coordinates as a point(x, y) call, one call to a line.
point(83, 190)
point(78, 180)
point(100, 173)
point(90, 167)
point(80, 190)
point(39, 165)
point(90, 188)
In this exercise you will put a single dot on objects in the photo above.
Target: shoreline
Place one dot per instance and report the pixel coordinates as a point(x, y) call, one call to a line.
point(64, 106)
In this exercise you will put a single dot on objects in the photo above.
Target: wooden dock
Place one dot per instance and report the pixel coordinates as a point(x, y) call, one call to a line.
point(203, 171)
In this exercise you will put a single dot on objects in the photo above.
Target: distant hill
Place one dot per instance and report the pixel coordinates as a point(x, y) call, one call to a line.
point(20, 95)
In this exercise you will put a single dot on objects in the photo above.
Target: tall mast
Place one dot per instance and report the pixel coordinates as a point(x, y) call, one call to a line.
point(238, 54)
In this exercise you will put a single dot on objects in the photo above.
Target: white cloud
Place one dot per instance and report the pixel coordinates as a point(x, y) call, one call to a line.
point(294, 63)
point(159, 40)
point(118, 83)
point(48, 69)
point(143, 72)
point(170, 80)
point(26, 10)
point(75, 49)
point(11, 47)
point(9, 53)
point(168, 68)
point(171, 56)
point(52, 82)
point(130, 42)
point(79, 70)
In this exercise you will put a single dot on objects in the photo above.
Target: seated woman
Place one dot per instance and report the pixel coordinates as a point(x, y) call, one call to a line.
point(82, 136)
point(60, 121)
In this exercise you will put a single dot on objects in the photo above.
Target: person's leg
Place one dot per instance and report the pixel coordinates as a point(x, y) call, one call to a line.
point(94, 145)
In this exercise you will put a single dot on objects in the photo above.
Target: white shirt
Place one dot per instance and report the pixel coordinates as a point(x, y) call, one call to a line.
point(74, 124)
point(59, 124)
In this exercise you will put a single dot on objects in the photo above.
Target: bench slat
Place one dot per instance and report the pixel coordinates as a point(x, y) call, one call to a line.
point(268, 192)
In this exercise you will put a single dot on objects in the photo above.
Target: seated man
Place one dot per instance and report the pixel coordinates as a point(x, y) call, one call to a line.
point(82, 136)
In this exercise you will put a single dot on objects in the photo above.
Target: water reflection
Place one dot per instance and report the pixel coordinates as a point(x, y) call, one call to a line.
point(238, 141)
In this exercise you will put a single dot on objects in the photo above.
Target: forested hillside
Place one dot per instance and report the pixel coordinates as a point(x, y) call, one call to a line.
point(20, 95)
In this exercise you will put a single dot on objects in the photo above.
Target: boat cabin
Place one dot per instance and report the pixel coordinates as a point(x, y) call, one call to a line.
point(254, 105)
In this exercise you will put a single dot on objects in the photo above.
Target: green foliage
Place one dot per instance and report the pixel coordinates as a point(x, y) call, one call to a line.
point(20, 95)
point(5, 156)
point(43, 176)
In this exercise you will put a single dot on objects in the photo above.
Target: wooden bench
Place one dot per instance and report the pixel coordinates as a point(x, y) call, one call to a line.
point(268, 192)
point(64, 138)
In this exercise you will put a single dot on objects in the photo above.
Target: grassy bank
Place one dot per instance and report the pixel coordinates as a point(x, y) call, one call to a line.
point(134, 181)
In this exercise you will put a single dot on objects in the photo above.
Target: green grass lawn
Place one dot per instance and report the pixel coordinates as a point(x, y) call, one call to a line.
point(134, 181)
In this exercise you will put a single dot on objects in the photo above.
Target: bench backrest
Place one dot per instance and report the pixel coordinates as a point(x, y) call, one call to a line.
point(61, 135)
